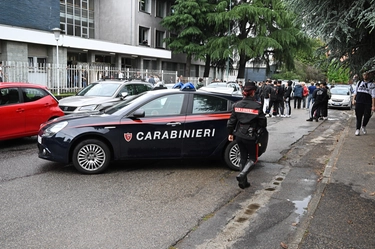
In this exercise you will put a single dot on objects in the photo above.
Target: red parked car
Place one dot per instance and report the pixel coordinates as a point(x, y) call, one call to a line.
point(24, 107)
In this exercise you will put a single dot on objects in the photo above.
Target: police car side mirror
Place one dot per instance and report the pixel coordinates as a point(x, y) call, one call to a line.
point(347, 93)
point(139, 113)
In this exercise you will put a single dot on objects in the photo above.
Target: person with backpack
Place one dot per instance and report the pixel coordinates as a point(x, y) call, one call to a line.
point(364, 101)
point(324, 109)
point(287, 96)
point(273, 100)
point(319, 96)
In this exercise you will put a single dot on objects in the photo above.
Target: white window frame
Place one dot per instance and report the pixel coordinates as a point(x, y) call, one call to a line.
point(144, 6)
point(144, 36)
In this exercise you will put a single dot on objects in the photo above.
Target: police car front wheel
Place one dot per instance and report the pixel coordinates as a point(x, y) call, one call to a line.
point(91, 156)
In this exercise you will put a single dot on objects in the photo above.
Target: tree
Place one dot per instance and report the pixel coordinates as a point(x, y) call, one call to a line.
point(345, 26)
point(186, 24)
point(259, 29)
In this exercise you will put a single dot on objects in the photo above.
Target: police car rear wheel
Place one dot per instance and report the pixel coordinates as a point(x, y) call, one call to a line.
point(232, 156)
point(91, 156)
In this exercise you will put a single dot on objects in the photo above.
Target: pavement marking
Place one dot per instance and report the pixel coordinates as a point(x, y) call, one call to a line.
point(236, 228)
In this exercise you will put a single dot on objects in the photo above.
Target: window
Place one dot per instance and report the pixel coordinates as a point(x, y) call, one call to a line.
point(144, 5)
point(166, 105)
point(160, 8)
point(32, 94)
point(143, 36)
point(9, 96)
point(159, 39)
point(37, 64)
point(209, 104)
point(77, 17)
point(140, 88)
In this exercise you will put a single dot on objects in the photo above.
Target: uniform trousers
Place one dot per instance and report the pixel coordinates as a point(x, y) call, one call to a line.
point(247, 150)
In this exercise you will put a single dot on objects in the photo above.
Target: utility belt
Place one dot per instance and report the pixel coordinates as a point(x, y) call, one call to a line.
point(246, 131)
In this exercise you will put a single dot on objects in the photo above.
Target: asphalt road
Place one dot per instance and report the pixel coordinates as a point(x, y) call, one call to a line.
point(153, 204)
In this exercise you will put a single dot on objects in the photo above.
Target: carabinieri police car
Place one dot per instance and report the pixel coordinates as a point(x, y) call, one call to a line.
point(172, 123)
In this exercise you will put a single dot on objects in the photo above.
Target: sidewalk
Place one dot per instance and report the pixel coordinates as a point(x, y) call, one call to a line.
point(343, 215)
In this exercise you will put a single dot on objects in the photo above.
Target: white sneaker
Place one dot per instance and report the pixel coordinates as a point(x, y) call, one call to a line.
point(357, 132)
point(364, 130)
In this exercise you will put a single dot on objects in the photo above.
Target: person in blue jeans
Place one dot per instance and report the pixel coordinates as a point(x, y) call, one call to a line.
point(310, 98)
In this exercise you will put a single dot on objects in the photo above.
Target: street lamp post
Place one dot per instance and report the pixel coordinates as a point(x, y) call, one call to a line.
point(57, 32)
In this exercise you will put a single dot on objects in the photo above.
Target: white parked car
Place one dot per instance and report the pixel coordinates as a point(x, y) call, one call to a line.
point(341, 97)
point(100, 95)
point(223, 87)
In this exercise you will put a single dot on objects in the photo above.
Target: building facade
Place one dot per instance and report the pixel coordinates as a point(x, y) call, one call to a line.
point(117, 33)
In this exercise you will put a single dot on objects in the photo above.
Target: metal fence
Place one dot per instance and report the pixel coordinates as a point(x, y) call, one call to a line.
point(71, 78)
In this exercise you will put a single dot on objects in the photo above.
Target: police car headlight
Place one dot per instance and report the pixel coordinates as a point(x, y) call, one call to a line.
point(53, 129)
point(88, 108)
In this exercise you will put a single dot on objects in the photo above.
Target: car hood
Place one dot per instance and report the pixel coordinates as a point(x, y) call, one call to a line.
point(339, 97)
point(79, 117)
point(85, 100)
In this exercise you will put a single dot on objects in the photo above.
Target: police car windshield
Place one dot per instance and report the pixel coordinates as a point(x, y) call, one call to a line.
point(129, 100)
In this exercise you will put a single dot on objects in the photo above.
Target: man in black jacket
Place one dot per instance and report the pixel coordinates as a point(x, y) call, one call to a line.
point(287, 96)
point(319, 96)
point(247, 122)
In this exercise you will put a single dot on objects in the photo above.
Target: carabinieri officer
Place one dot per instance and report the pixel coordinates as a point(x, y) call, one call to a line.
point(246, 123)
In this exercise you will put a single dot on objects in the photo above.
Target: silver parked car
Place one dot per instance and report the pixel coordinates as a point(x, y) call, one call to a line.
point(341, 97)
point(100, 95)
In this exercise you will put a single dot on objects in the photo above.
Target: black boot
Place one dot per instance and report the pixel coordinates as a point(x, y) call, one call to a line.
point(242, 176)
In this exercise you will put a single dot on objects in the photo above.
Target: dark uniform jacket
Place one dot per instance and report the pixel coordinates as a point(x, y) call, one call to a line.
point(246, 114)
point(319, 95)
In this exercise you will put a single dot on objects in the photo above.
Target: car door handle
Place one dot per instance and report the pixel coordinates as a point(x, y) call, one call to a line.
point(20, 110)
point(174, 123)
point(46, 104)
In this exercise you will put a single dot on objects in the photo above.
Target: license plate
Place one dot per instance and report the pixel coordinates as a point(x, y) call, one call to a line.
point(39, 139)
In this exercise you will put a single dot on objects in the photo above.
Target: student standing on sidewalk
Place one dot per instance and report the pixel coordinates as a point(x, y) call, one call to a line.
point(287, 93)
point(298, 90)
point(305, 93)
point(319, 96)
point(310, 99)
point(324, 109)
point(266, 97)
point(364, 101)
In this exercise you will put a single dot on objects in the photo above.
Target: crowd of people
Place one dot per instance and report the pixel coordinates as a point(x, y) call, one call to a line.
point(273, 98)
point(278, 98)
